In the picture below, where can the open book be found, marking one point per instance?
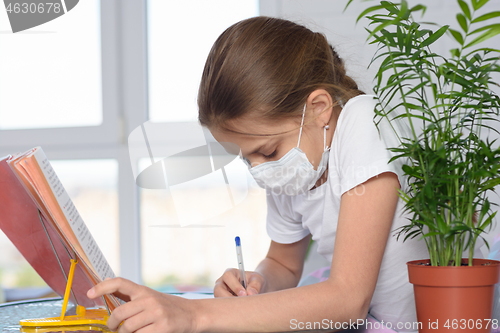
(38, 216)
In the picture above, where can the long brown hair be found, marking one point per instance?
(270, 66)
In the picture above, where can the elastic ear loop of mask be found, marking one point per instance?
(301, 124)
(324, 138)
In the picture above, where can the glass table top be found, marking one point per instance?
(11, 313)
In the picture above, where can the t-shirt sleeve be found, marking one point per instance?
(283, 226)
(363, 148)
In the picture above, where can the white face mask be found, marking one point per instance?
(292, 174)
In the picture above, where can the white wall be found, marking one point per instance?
(349, 38)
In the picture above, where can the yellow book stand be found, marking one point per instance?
(83, 316)
(69, 329)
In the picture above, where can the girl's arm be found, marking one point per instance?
(364, 224)
(283, 265)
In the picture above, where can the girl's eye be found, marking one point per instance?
(271, 155)
(246, 161)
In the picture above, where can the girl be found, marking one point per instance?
(280, 92)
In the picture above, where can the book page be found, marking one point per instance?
(73, 218)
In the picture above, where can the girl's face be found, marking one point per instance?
(260, 149)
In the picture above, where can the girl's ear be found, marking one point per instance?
(321, 104)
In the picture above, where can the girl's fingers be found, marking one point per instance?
(222, 290)
(233, 283)
(148, 329)
(133, 323)
(122, 286)
(254, 283)
(230, 291)
(125, 312)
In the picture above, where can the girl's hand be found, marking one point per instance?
(148, 310)
(229, 284)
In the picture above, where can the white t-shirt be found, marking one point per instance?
(358, 153)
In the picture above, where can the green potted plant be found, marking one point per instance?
(448, 102)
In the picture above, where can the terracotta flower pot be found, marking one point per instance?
(454, 299)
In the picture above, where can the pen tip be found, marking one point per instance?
(237, 240)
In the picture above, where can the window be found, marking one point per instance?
(188, 230)
(50, 76)
(180, 35)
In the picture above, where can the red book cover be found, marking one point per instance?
(29, 229)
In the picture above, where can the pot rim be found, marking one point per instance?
(477, 263)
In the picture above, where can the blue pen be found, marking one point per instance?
(243, 277)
